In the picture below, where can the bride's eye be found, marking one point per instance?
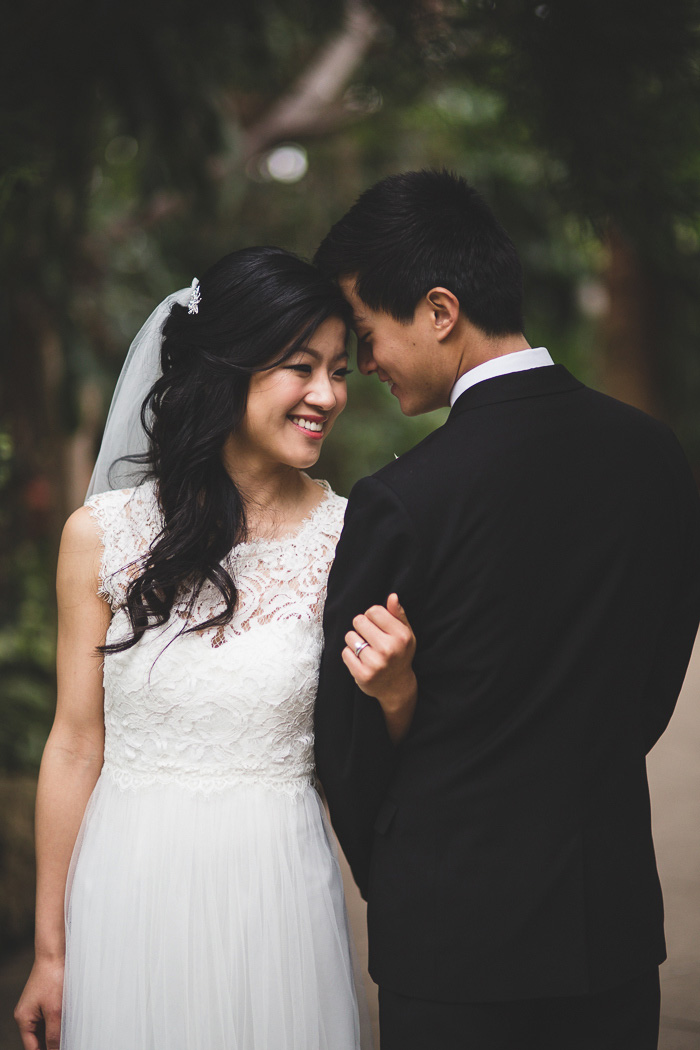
(341, 373)
(304, 370)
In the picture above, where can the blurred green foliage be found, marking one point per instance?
(27, 658)
(27, 645)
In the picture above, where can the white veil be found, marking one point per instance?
(124, 434)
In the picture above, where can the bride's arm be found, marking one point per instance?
(69, 770)
(356, 755)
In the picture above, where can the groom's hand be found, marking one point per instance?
(379, 655)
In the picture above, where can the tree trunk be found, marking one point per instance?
(32, 380)
(629, 363)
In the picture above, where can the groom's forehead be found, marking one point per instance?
(361, 323)
(348, 286)
(363, 316)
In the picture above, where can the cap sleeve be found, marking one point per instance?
(331, 518)
(128, 521)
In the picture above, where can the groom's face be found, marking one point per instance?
(406, 356)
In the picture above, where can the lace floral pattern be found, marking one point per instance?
(226, 705)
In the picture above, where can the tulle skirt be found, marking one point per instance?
(201, 922)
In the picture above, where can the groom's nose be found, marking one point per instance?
(365, 362)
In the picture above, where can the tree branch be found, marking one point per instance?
(312, 103)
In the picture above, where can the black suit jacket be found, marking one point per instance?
(545, 543)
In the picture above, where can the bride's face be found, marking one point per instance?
(291, 409)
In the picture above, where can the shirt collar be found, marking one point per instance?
(520, 361)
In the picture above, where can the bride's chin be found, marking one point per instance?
(305, 457)
(300, 461)
(309, 461)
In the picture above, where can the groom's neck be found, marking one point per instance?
(477, 348)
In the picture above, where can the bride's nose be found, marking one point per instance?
(321, 394)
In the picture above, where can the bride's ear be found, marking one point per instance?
(444, 311)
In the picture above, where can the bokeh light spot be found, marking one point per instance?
(288, 163)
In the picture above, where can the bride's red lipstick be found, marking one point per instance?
(315, 435)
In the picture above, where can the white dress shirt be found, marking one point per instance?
(520, 361)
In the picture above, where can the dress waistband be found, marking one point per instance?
(208, 782)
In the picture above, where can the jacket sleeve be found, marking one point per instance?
(680, 625)
(377, 553)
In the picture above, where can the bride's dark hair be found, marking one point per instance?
(258, 306)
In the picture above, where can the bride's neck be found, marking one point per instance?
(273, 494)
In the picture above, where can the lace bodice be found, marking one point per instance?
(225, 705)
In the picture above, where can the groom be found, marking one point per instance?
(545, 544)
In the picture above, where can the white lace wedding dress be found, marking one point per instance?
(205, 908)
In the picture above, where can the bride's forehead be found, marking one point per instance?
(323, 354)
(329, 341)
(332, 330)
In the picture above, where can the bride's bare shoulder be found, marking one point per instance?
(80, 533)
(79, 560)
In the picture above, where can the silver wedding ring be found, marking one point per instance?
(360, 646)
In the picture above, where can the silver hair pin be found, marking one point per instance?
(195, 298)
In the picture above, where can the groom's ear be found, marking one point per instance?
(444, 311)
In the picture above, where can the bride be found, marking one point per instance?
(177, 812)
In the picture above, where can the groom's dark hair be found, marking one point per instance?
(421, 229)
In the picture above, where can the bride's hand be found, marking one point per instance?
(379, 655)
(38, 1012)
